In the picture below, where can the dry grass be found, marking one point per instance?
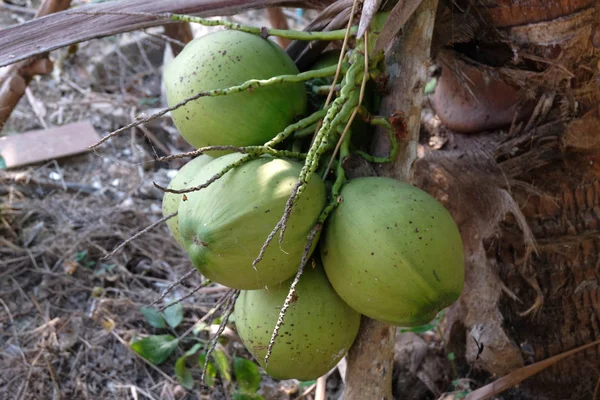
(66, 317)
(64, 320)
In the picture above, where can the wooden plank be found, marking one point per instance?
(47, 144)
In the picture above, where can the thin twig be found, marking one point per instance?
(165, 38)
(213, 310)
(306, 392)
(215, 177)
(519, 375)
(172, 285)
(213, 344)
(288, 300)
(166, 16)
(190, 294)
(15, 333)
(18, 9)
(23, 387)
(246, 86)
(284, 218)
(320, 393)
(201, 151)
(140, 233)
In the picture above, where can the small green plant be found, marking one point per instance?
(82, 258)
(239, 375)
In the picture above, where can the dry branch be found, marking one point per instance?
(68, 27)
(15, 79)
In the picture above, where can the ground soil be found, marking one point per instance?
(66, 315)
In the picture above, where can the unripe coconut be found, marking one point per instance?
(393, 252)
(225, 225)
(318, 330)
(171, 201)
(223, 59)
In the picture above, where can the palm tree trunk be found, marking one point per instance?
(518, 96)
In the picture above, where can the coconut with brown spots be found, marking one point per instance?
(225, 225)
(393, 252)
(318, 330)
(218, 61)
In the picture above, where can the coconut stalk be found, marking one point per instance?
(370, 360)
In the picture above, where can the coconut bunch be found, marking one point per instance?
(369, 246)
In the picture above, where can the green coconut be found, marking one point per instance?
(393, 252)
(225, 225)
(171, 201)
(223, 59)
(318, 330)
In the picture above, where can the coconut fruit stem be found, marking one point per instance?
(289, 298)
(266, 32)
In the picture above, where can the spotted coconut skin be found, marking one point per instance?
(393, 252)
(223, 59)
(318, 330)
(170, 203)
(224, 225)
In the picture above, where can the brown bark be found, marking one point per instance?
(407, 64)
(527, 197)
(369, 372)
(15, 79)
(181, 32)
(63, 29)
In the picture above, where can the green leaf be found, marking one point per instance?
(222, 364)
(155, 349)
(246, 374)
(80, 256)
(184, 376)
(193, 350)
(451, 356)
(306, 384)
(211, 371)
(153, 317)
(247, 396)
(174, 315)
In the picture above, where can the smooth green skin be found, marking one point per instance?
(225, 225)
(393, 252)
(171, 201)
(318, 329)
(223, 59)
